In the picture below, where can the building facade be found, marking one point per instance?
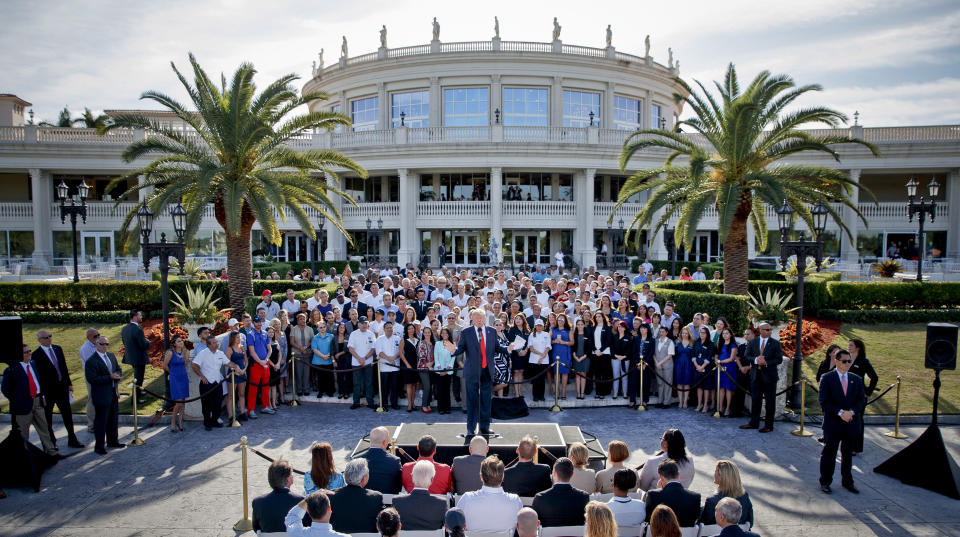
(484, 151)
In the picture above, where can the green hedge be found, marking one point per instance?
(97, 296)
(250, 303)
(733, 307)
(883, 316)
(77, 317)
(708, 269)
(281, 268)
(902, 295)
(814, 292)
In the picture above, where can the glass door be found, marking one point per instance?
(466, 249)
(526, 248)
(297, 247)
(699, 251)
(96, 246)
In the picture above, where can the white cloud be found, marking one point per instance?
(926, 103)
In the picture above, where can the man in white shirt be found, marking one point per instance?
(388, 347)
(271, 308)
(627, 511)
(668, 316)
(490, 509)
(647, 266)
(651, 301)
(441, 291)
(377, 324)
(317, 505)
(362, 347)
(208, 365)
(699, 275)
(373, 298)
(314, 300)
(460, 299)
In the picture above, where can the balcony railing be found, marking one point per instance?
(439, 135)
(896, 210)
(371, 210)
(16, 210)
(570, 135)
(453, 209)
(540, 209)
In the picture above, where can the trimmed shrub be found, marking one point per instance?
(814, 292)
(78, 317)
(250, 303)
(97, 296)
(884, 316)
(897, 295)
(281, 268)
(733, 307)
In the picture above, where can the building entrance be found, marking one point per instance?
(96, 246)
(466, 248)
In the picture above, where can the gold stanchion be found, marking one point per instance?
(233, 401)
(137, 441)
(293, 377)
(380, 408)
(556, 389)
(641, 406)
(244, 524)
(803, 410)
(716, 413)
(895, 433)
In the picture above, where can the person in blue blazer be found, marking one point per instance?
(478, 380)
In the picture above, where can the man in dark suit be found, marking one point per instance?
(103, 373)
(420, 305)
(353, 304)
(561, 504)
(22, 387)
(135, 346)
(385, 470)
(355, 507)
(466, 468)
(843, 398)
(685, 503)
(766, 355)
(526, 478)
(58, 388)
(270, 510)
(419, 510)
(728, 513)
(479, 345)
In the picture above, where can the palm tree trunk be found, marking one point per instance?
(735, 257)
(239, 270)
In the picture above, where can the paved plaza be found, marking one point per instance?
(189, 483)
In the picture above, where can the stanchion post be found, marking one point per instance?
(716, 413)
(896, 427)
(641, 406)
(380, 408)
(244, 524)
(803, 410)
(556, 389)
(293, 377)
(233, 401)
(137, 441)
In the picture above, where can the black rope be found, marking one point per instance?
(875, 399)
(271, 461)
(190, 400)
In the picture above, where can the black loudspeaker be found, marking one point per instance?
(941, 346)
(11, 339)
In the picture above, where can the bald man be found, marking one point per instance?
(57, 386)
(466, 468)
(527, 523)
(385, 469)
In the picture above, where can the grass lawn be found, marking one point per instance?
(894, 349)
(71, 337)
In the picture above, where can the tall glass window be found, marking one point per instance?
(577, 106)
(363, 112)
(414, 104)
(626, 113)
(526, 107)
(466, 107)
(654, 116)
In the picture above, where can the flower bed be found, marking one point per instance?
(813, 335)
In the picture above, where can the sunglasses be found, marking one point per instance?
(104, 344)
(45, 337)
(846, 361)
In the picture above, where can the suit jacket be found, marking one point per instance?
(270, 510)
(736, 531)
(385, 472)
(772, 353)
(833, 400)
(421, 511)
(685, 503)
(469, 346)
(561, 505)
(48, 373)
(527, 479)
(466, 473)
(421, 308)
(102, 388)
(709, 514)
(355, 509)
(16, 387)
(361, 311)
(135, 345)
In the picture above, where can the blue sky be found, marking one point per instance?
(896, 62)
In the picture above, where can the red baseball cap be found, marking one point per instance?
(266, 292)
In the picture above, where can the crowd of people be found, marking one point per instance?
(480, 493)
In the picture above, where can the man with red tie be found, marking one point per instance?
(843, 398)
(21, 385)
(479, 345)
(51, 367)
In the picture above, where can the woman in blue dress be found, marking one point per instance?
(727, 359)
(238, 355)
(176, 367)
(683, 366)
(560, 350)
(704, 370)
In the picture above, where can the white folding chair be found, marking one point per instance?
(709, 530)
(602, 497)
(388, 499)
(563, 531)
(526, 500)
(421, 533)
(508, 533)
(365, 534)
(272, 533)
(630, 531)
(692, 531)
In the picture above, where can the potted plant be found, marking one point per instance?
(199, 308)
(887, 268)
(771, 307)
(791, 273)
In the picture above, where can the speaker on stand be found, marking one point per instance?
(941, 473)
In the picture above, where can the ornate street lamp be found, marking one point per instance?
(163, 250)
(922, 209)
(74, 210)
(801, 248)
(322, 221)
(591, 118)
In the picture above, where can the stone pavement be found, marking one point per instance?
(189, 483)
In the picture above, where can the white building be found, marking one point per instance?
(451, 134)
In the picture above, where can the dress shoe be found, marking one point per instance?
(354, 406)
(100, 451)
(826, 489)
(116, 445)
(207, 428)
(75, 444)
(852, 488)
(766, 430)
(748, 426)
(487, 432)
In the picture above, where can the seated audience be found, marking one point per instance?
(528, 525)
(684, 503)
(599, 521)
(526, 478)
(583, 478)
(270, 510)
(728, 516)
(419, 510)
(672, 446)
(617, 452)
(384, 467)
(664, 523)
(561, 504)
(455, 523)
(388, 523)
(317, 505)
(466, 468)
(629, 512)
(727, 478)
(490, 509)
(442, 482)
(354, 507)
(323, 474)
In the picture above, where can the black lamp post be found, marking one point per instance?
(322, 221)
(74, 210)
(921, 209)
(622, 236)
(379, 236)
(163, 250)
(496, 115)
(403, 119)
(801, 248)
(591, 118)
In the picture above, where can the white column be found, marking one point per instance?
(556, 102)
(606, 107)
(953, 197)
(583, 234)
(436, 103)
(657, 248)
(496, 208)
(384, 107)
(496, 98)
(336, 242)
(751, 242)
(409, 243)
(848, 247)
(42, 187)
(385, 188)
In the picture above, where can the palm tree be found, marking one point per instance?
(237, 159)
(63, 120)
(734, 166)
(90, 121)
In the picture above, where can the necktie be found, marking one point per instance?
(763, 343)
(843, 382)
(33, 384)
(56, 365)
(483, 350)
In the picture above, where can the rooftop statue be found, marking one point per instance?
(343, 48)
(556, 29)
(646, 46)
(383, 36)
(609, 36)
(496, 27)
